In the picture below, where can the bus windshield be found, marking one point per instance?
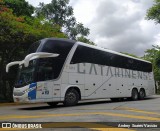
(26, 74)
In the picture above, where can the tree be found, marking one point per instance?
(59, 12)
(150, 54)
(157, 59)
(157, 66)
(154, 12)
(85, 40)
(153, 55)
(20, 7)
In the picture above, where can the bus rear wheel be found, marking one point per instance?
(52, 104)
(134, 96)
(141, 94)
(71, 98)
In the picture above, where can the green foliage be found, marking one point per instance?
(153, 55)
(85, 40)
(16, 33)
(75, 30)
(20, 7)
(157, 66)
(154, 12)
(157, 59)
(59, 12)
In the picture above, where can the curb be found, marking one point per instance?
(16, 104)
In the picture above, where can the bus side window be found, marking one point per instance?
(89, 55)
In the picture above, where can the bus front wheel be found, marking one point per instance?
(71, 97)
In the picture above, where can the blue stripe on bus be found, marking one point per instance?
(32, 94)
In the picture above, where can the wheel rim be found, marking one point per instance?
(71, 97)
(142, 94)
(135, 95)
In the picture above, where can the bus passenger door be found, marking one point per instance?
(47, 90)
(44, 90)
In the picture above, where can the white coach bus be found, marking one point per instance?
(61, 70)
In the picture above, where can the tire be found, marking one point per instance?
(52, 104)
(134, 96)
(71, 98)
(141, 94)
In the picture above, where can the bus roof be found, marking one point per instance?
(59, 39)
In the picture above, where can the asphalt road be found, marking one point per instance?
(87, 115)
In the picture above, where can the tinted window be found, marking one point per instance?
(57, 46)
(89, 55)
(48, 69)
